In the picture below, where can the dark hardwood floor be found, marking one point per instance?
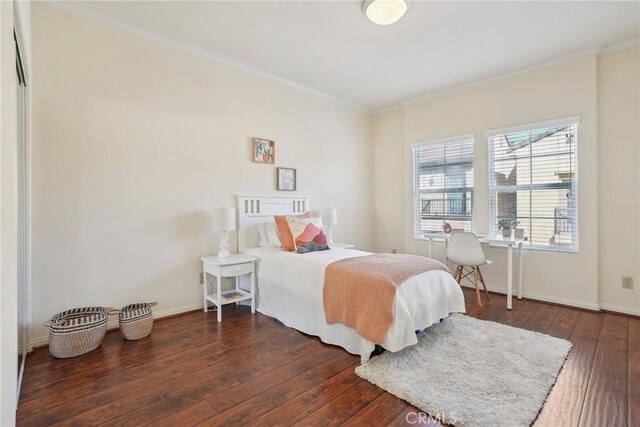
(251, 369)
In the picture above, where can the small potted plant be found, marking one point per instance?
(506, 225)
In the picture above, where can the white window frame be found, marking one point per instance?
(438, 141)
(567, 121)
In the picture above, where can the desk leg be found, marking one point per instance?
(509, 275)
(430, 244)
(520, 269)
(204, 287)
(253, 292)
(446, 249)
(219, 295)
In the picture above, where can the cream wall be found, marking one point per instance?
(388, 159)
(136, 141)
(563, 90)
(619, 177)
(604, 91)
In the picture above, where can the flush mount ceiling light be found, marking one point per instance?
(385, 12)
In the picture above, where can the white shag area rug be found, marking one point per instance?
(470, 372)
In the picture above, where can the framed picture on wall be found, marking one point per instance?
(286, 179)
(264, 151)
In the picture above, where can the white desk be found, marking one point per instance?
(509, 242)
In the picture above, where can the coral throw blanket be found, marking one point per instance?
(359, 292)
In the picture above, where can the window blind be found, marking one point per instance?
(533, 179)
(443, 186)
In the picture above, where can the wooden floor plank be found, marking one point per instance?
(634, 372)
(130, 369)
(189, 416)
(606, 401)
(564, 323)
(41, 360)
(336, 411)
(542, 319)
(250, 369)
(113, 354)
(300, 406)
(499, 313)
(564, 404)
(470, 303)
(290, 400)
(473, 309)
(381, 411)
(519, 317)
(176, 394)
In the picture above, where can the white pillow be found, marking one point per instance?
(268, 235)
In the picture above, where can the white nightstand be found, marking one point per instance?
(233, 266)
(344, 245)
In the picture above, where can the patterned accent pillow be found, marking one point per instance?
(308, 234)
(283, 230)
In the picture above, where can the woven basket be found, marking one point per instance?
(136, 320)
(77, 331)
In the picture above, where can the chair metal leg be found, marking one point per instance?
(475, 282)
(484, 285)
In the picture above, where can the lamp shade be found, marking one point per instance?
(331, 217)
(224, 219)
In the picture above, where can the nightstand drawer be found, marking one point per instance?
(236, 270)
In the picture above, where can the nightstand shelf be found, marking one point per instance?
(229, 297)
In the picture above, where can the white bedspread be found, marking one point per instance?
(290, 289)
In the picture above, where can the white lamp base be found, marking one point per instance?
(329, 231)
(223, 248)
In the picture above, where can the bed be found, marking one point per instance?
(289, 285)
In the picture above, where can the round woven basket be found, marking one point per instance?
(136, 320)
(77, 331)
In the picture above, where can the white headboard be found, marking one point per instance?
(253, 210)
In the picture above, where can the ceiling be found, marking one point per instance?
(330, 46)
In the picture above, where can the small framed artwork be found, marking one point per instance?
(286, 179)
(264, 151)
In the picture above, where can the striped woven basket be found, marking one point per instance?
(136, 320)
(78, 331)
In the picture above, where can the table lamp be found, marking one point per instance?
(224, 220)
(330, 220)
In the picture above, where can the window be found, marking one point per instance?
(532, 178)
(443, 184)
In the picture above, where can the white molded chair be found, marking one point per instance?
(465, 250)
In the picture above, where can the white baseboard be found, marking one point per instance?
(113, 321)
(547, 298)
(621, 309)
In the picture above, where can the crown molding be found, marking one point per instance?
(621, 46)
(388, 109)
(68, 6)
